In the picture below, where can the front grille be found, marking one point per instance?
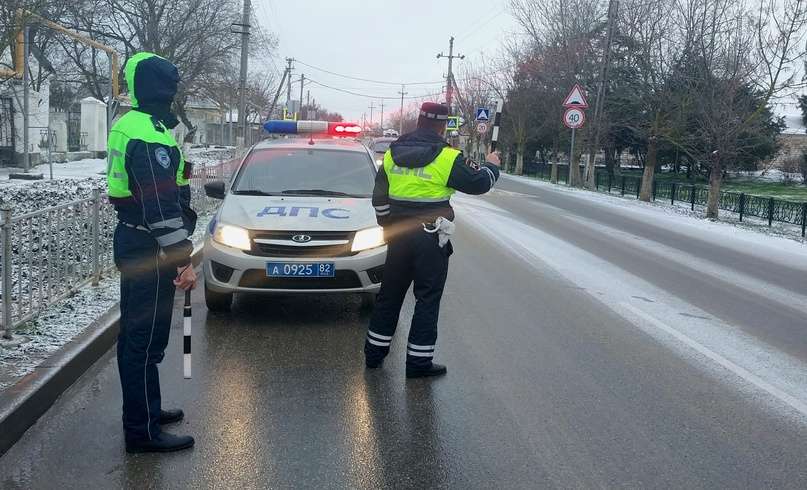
(257, 278)
(295, 250)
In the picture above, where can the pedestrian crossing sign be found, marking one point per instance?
(453, 123)
(482, 114)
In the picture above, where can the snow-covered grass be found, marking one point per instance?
(680, 214)
(63, 321)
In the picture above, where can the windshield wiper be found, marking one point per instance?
(254, 192)
(318, 192)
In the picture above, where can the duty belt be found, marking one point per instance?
(136, 227)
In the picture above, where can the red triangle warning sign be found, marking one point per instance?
(576, 98)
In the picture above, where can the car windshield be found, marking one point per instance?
(306, 172)
(381, 146)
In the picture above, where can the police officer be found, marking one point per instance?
(411, 199)
(148, 185)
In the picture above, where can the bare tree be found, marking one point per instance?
(744, 58)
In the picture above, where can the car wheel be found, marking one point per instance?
(218, 301)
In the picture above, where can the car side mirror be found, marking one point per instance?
(215, 189)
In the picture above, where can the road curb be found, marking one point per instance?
(30, 397)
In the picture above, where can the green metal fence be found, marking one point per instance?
(764, 207)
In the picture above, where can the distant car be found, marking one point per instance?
(296, 218)
(379, 146)
(391, 133)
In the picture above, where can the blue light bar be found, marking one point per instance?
(280, 127)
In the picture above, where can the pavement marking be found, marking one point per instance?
(741, 372)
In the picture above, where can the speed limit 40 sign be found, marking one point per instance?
(574, 118)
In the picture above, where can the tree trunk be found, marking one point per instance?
(519, 161)
(715, 179)
(553, 175)
(646, 193)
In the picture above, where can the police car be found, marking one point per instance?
(296, 218)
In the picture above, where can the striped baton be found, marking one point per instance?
(186, 344)
(494, 139)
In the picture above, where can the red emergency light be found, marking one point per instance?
(343, 129)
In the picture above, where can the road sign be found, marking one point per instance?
(481, 127)
(574, 118)
(482, 114)
(576, 98)
(453, 123)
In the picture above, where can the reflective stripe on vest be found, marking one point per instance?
(422, 184)
(134, 125)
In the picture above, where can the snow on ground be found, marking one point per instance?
(762, 373)
(729, 231)
(80, 169)
(772, 175)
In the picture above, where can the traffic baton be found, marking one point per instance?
(496, 120)
(186, 344)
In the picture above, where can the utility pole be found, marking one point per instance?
(26, 109)
(450, 75)
(382, 117)
(307, 104)
(300, 109)
(372, 106)
(400, 122)
(288, 82)
(277, 93)
(594, 143)
(242, 96)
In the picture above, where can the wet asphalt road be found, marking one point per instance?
(548, 386)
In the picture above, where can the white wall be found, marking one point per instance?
(93, 122)
(39, 114)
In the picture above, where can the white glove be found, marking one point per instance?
(444, 229)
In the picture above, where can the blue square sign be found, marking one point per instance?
(482, 114)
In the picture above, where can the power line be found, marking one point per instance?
(367, 79)
(378, 97)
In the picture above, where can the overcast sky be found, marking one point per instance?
(385, 40)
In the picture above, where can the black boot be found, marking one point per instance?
(163, 443)
(432, 369)
(373, 363)
(171, 416)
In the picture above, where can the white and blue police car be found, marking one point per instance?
(296, 217)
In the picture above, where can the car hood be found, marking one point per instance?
(298, 213)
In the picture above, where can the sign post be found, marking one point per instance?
(573, 118)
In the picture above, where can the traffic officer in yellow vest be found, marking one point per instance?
(148, 185)
(411, 199)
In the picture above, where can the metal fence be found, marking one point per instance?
(764, 207)
(46, 255)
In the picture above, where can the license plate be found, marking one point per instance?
(288, 269)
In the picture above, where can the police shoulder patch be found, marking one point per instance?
(473, 164)
(163, 158)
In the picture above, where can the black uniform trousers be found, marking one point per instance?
(413, 256)
(147, 297)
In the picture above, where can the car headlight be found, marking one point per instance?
(369, 238)
(379, 162)
(232, 236)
